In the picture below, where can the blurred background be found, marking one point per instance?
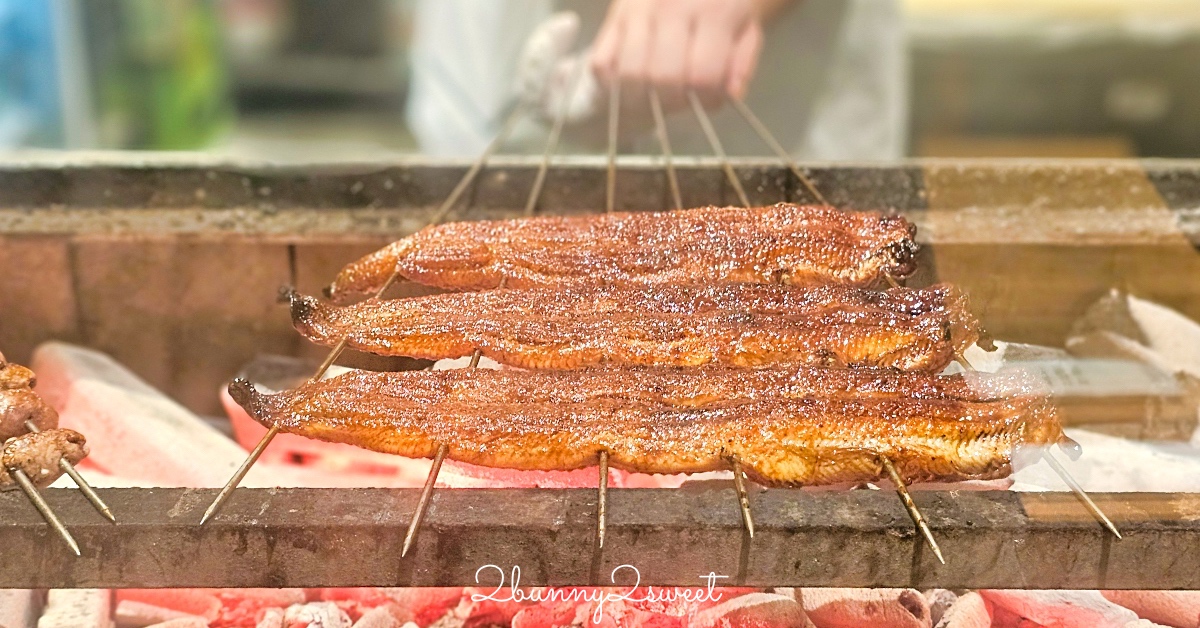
(310, 79)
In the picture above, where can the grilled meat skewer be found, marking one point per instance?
(737, 324)
(780, 441)
(784, 243)
(38, 455)
(18, 402)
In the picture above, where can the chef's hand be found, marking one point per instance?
(551, 79)
(710, 46)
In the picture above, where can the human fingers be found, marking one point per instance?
(744, 60)
(708, 56)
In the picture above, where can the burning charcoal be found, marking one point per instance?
(1062, 609)
(134, 614)
(484, 612)
(939, 601)
(183, 622)
(244, 606)
(968, 611)
(271, 618)
(751, 611)
(377, 618)
(77, 608)
(315, 615)
(880, 608)
(19, 608)
(1179, 609)
(198, 602)
(135, 431)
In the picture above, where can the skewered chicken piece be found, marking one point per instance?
(38, 455)
(15, 376)
(738, 324)
(784, 243)
(21, 405)
(822, 437)
(18, 402)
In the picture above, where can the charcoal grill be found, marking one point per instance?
(171, 265)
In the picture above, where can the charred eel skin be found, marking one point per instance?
(784, 243)
(826, 426)
(588, 325)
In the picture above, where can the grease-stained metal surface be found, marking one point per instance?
(338, 537)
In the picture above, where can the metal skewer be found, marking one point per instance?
(1080, 493)
(560, 119)
(739, 484)
(39, 502)
(498, 141)
(254, 454)
(84, 487)
(614, 112)
(718, 149)
(913, 512)
(426, 493)
(435, 469)
(602, 500)
(1062, 472)
(660, 129)
(765, 133)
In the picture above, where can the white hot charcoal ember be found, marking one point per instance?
(377, 618)
(1179, 609)
(136, 431)
(939, 601)
(134, 614)
(182, 622)
(968, 611)
(77, 608)
(753, 609)
(1062, 609)
(38, 456)
(19, 608)
(271, 618)
(317, 614)
(851, 608)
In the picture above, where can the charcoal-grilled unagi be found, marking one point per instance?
(784, 243)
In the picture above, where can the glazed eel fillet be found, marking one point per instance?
(587, 325)
(784, 243)
(789, 426)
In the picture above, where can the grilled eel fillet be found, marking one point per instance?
(824, 426)
(587, 325)
(784, 243)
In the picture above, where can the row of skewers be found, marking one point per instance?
(717, 338)
(662, 275)
(36, 452)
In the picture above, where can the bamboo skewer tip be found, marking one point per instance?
(43, 508)
(1080, 494)
(913, 511)
(426, 496)
(84, 487)
(240, 474)
(739, 485)
(602, 500)
(718, 149)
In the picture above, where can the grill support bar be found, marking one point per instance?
(343, 537)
